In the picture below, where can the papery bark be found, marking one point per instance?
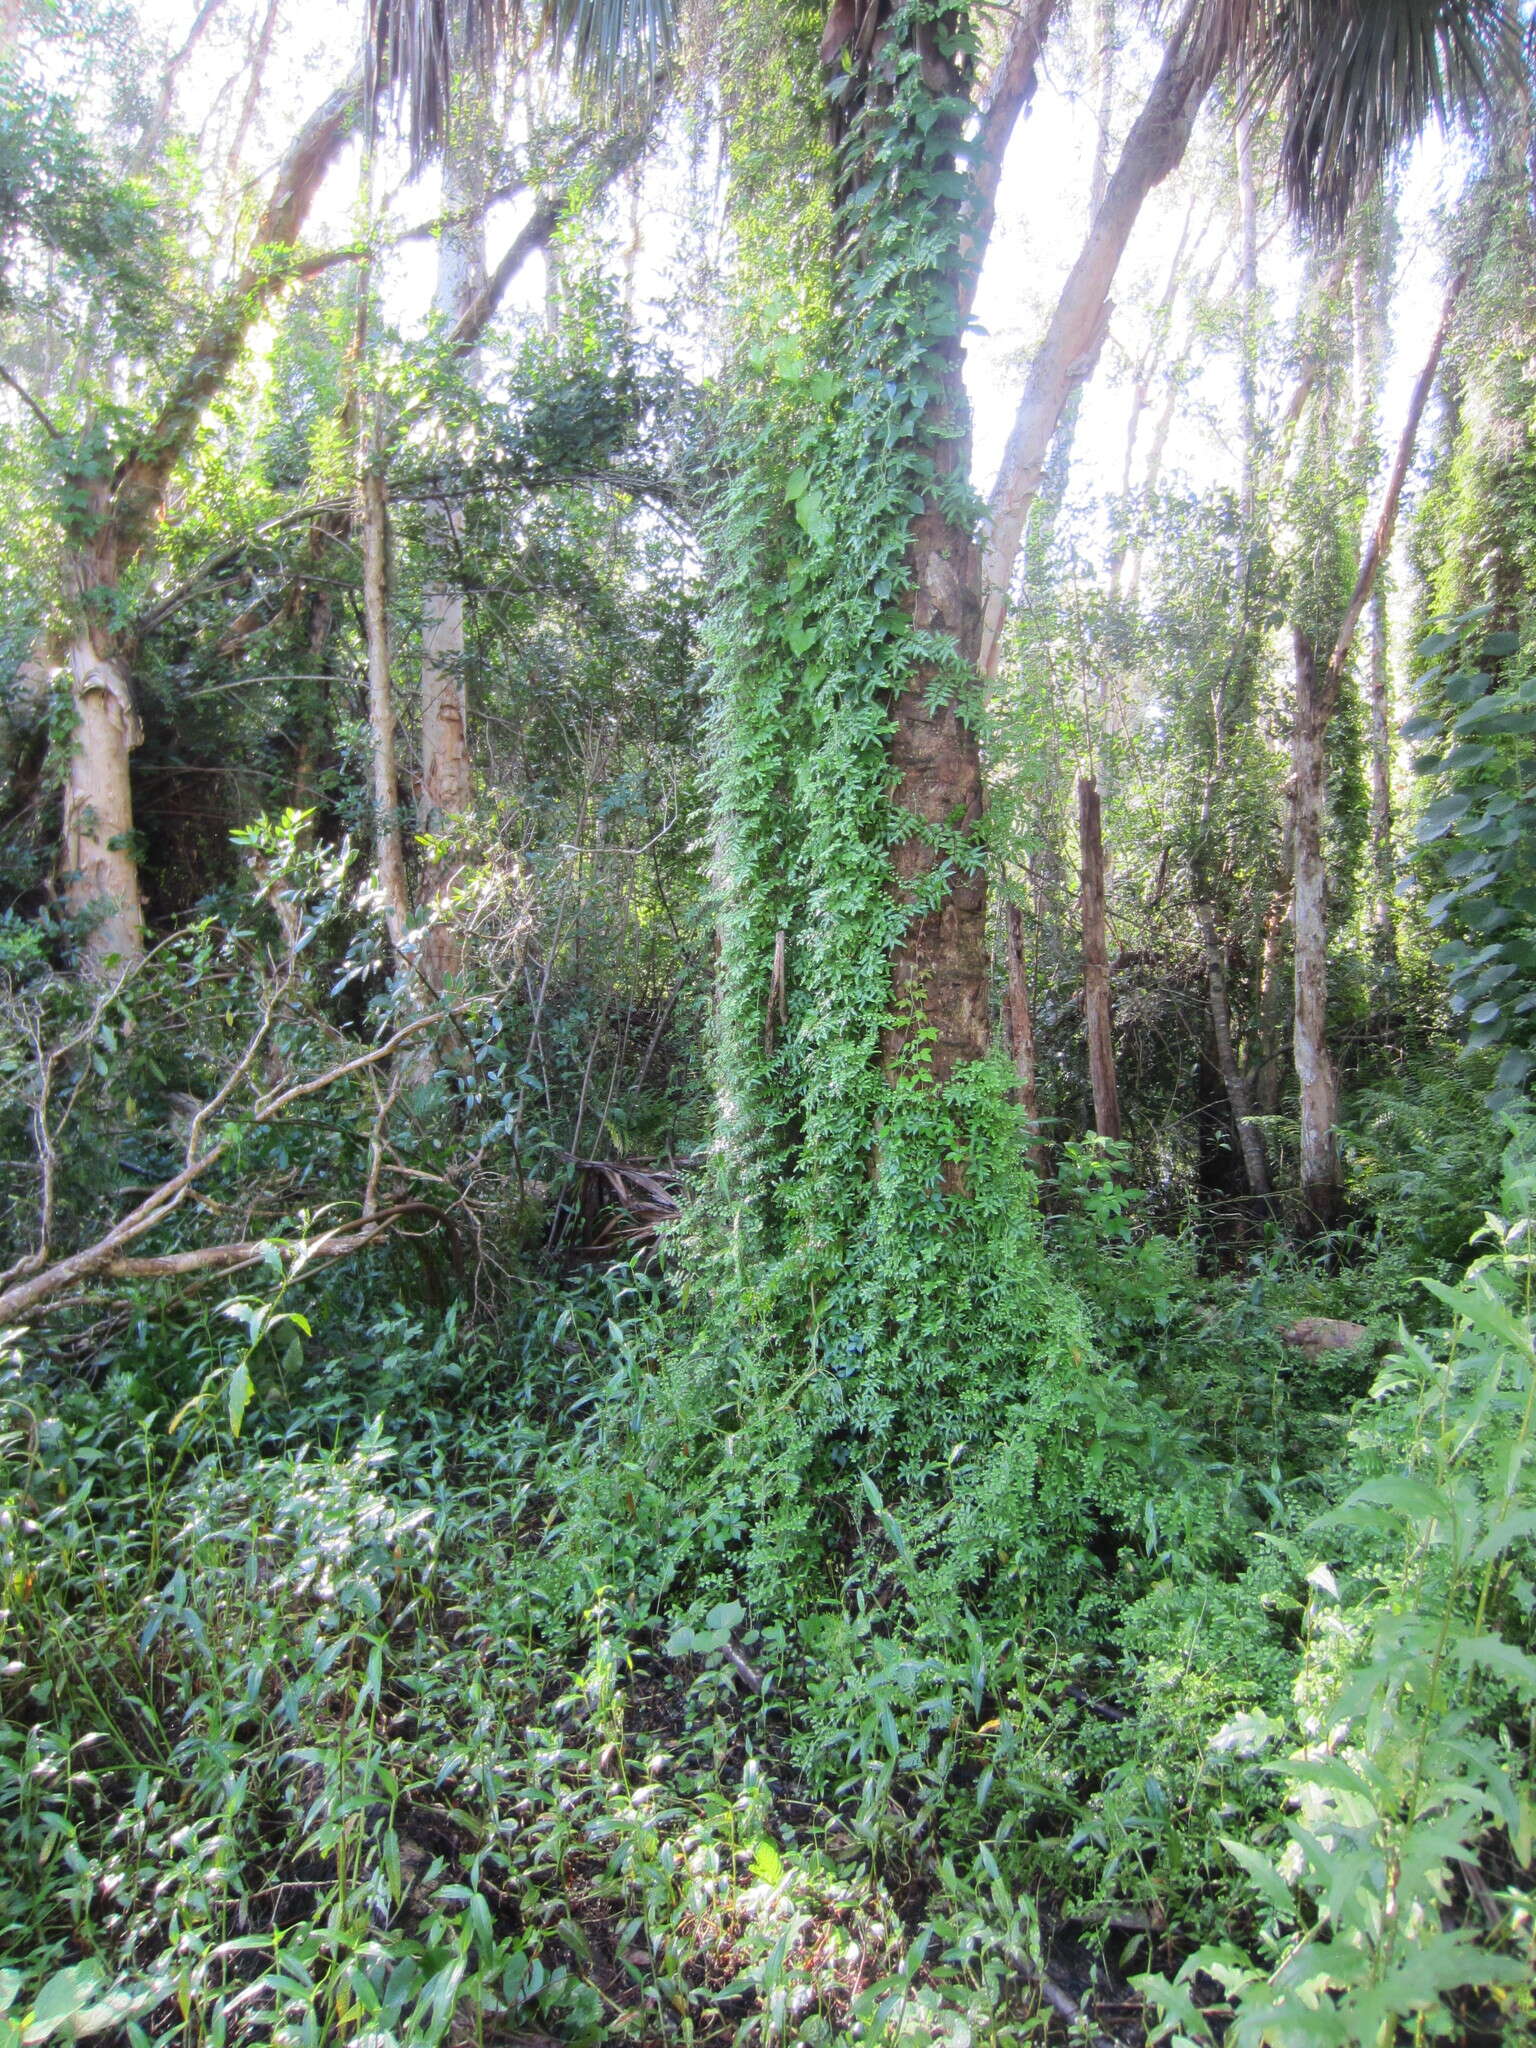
(117, 521)
(1315, 1075)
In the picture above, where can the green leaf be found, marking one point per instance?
(1492, 1653)
(1484, 1311)
(1400, 1494)
(1267, 1880)
(1462, 688)
(66, 1995)
(1514, 1066)
(1512, 1529)
(1441, 816)
(238, 1396)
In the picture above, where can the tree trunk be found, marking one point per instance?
(1096, 1008)
(446, 780)
(1269, 1024)
(1316, 697)
(1309, 923)
(1383, 902)
(939, 966)
(1021, 1037)
(100, 864)
(1233, 1080)
(98, 855)
(1156, 143)
(389, 845)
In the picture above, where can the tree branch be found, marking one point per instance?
(1009, 91)
(143, 476)
(38, 1289)
(1381, 537)
(31, 404)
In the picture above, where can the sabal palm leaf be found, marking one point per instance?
(616, 49)
(1354, 81)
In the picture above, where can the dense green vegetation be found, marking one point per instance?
(765, 1267)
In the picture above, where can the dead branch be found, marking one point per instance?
(38, 1290)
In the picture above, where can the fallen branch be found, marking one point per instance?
(99, 1260)
(229, 1258)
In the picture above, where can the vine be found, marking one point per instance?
(881, 1246)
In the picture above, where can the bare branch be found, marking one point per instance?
(31, 404)
(142, 479)
(36, 1290)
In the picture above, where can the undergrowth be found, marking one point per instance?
(371, 1677)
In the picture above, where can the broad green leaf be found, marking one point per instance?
(1512, 1529)
(238, 1396)
(1492, 1653)
(66, 1994)
(1441, 816)
(1267, 1880)
(1400, 1494)
(1484, 1311)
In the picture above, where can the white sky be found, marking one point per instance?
(1042, 213)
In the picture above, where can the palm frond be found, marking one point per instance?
(1354, 81)
(617, 50)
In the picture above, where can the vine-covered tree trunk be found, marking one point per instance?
(871, 1149)
(1377, 685)
(939, 967)
(1097, 1017)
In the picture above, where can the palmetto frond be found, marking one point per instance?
(1353, 81)
(616, 49)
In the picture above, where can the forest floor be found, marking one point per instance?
(363, 1684)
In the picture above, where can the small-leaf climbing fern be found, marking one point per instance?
(880, 1286)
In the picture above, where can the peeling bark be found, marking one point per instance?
(98, 858)
(1377, 685)
(446, 777)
